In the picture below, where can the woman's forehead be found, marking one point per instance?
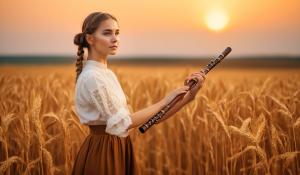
(109, 25)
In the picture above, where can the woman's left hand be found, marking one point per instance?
(194, 75)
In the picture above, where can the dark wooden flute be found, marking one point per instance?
(192, 82)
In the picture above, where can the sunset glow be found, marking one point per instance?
(177, 28)
(216, 19)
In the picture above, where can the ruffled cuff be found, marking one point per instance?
(119, 123)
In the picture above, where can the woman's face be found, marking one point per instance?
(106, 38)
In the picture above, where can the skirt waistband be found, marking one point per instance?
(98, 129)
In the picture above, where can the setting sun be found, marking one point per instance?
(216, 19)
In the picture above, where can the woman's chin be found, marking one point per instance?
(113, 52)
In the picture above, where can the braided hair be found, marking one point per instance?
(90, 25)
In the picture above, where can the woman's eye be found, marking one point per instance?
(110, 33)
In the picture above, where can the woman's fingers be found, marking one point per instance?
(189, 78)
(198, 75)
(182, 89)
(179, 91)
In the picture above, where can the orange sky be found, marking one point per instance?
(154, 27)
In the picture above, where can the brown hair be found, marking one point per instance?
(89, 26)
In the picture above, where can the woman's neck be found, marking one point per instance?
(97, 57)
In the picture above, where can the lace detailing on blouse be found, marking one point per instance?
(118, 123)
(99, 97)
(103, 101)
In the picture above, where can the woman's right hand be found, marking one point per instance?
(171, 95)
(189, 94)
(200, 76)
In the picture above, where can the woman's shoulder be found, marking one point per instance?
(92, 77)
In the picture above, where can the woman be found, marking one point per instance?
(101, 104)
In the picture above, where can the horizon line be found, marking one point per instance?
(269, 56)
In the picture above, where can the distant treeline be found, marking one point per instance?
(257, 61)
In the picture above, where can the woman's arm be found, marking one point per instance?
(142, 116)
(176, 108)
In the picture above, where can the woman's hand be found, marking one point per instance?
(189, 94)
(171, 95)
(200, 76)
(195, 75)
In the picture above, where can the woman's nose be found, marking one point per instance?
(114, 38)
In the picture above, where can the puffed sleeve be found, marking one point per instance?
(110, 106)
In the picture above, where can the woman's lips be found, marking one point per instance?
(114, 47)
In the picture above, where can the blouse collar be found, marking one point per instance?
(95, 63)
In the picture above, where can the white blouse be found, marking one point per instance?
(100, 100)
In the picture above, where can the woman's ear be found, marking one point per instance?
(89, 39)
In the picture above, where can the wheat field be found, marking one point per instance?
(241, 121)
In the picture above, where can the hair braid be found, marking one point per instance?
(81, 42)
(79, 61)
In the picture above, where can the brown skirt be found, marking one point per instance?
(102, 153)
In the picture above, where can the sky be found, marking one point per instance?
(155, 27)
